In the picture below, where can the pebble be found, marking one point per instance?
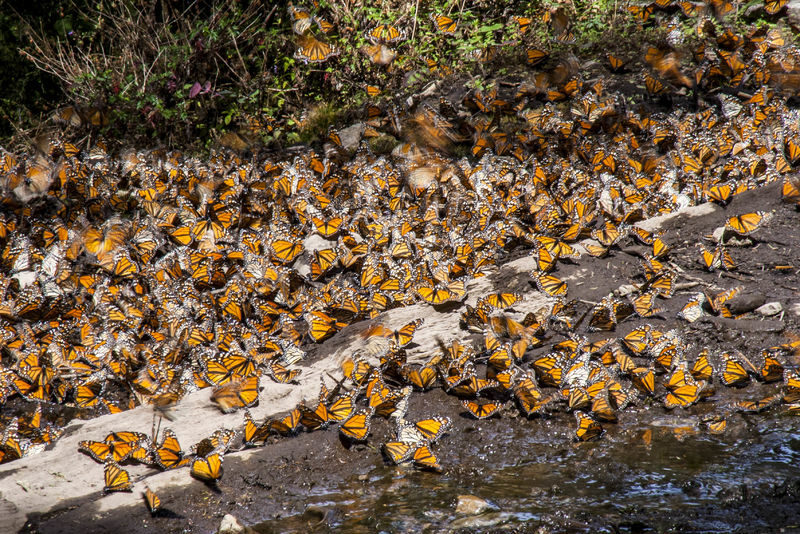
(231, 525)
(769, 309)
(745, 302)
(626, 289)
(472, 505)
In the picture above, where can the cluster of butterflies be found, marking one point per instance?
(137, 278)
(127, 447)
(382, 390)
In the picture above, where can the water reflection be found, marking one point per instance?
(567, 487)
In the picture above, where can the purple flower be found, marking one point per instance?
(195, 90)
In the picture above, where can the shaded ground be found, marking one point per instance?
(654, 471)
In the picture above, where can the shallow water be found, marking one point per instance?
(682, 479)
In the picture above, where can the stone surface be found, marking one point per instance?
(472, 505)
(231, 525)
(745, 302)
(770, 308)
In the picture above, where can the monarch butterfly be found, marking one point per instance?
(117, 451)
(372, 91)
(285, 250)
(399, 451)
(598, 251)
(693, 310)
(578, 399)
(683, 396)
(530, 399)
(219, 441)
(720, 259)
(721, 7)
(691, 9)
(88, 394)
(771, 370)
(602, 409)
(791, 387)
(679, 377)
(386, 33)
(701, 368)
(773, 7)
(715, 424)
(500, 301)
(342, 407)
(638, 340)
(423, 457)
(288, 425)
(169, 455)
(432, 429)
(207, 468)
(435, 295)
(444, 24)
(757, 406)
(509, 328)
(643, 379)
(610, 234)
(101, 242)
(747, 223)
(588, 428)
(323, 326)
(423, 377)
(621, 358)
(734, 373)
(551, 285)
(482, 410)
(152, 501)
(301, 19)
(524, 23)
(603, 318)
(253, 432)
(721, 193)
(654, 86)
(116, 478)
(327, 228)
(316, 418)
(615, 63)
(792, 149)
(535, 56)
(643, 305)
(380, 54)
(357, 426)
(313, 50)
(236, 394)
(280, 374)
(356, 370)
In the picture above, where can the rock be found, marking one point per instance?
(231, 525)
(471, 505)
(351, 136)
(793, 13)
(769, 309)
(717, 233)
(626, 289)
(743, 325)
(383, 144)
(745, 302)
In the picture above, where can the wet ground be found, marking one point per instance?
(655, 471)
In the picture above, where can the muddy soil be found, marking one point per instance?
(654, 471)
